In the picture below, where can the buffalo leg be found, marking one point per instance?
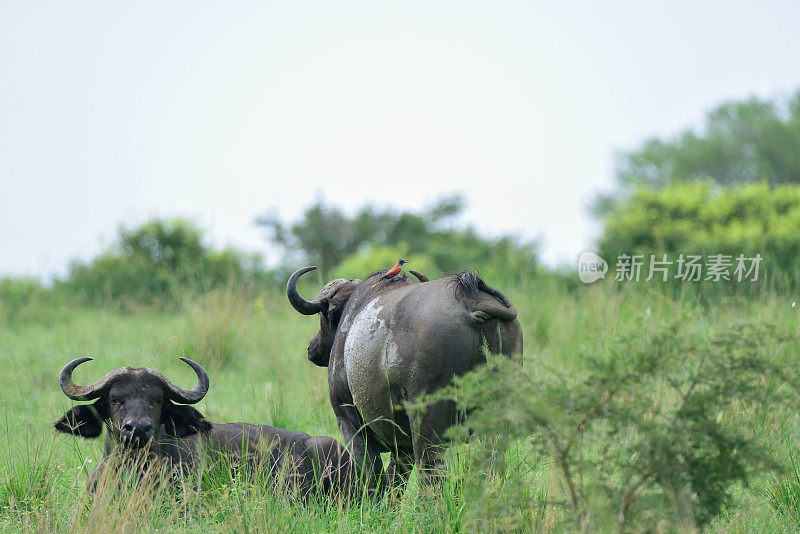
(364, 452)
(400, 466)
(429, 426)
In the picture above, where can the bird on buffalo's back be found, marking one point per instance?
(391, 273)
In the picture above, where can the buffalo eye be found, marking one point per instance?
(116, 401)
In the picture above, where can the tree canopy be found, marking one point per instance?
(154, 261)
(740, 142)
(326, 236)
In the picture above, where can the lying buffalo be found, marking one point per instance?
(145, 414)
(390, 343)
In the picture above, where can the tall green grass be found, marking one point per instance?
(254, 347)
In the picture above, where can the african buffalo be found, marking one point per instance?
(146, 418)
(388, 344)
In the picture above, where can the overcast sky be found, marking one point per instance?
(115, 112)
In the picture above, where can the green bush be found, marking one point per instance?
(371, 258)
(338, 243)
(747, 141)
(698, 218)
(501, 262)
(656, 432)
(157, 262)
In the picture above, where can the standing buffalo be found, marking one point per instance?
(391, 343)
(147, 419)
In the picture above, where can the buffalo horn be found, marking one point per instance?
(299, 303)
(85, 393)
(421, 277)
(183, 396)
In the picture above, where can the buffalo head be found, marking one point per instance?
(133, 404)
(330, 303)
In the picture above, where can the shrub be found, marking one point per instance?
(696, 218)
(501, 262)
(371, 258)
(155, 263)
(651, 434)
(326, 236)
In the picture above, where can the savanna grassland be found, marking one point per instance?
(253, 346)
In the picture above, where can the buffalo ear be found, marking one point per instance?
(180, 420)
(338, 301)
(85, 420)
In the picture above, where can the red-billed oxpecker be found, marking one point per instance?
(391, 273)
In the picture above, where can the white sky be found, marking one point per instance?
(114, 112)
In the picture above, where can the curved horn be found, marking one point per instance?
(85, 393)
(193, 395)
(421, 277)
(299, 303)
